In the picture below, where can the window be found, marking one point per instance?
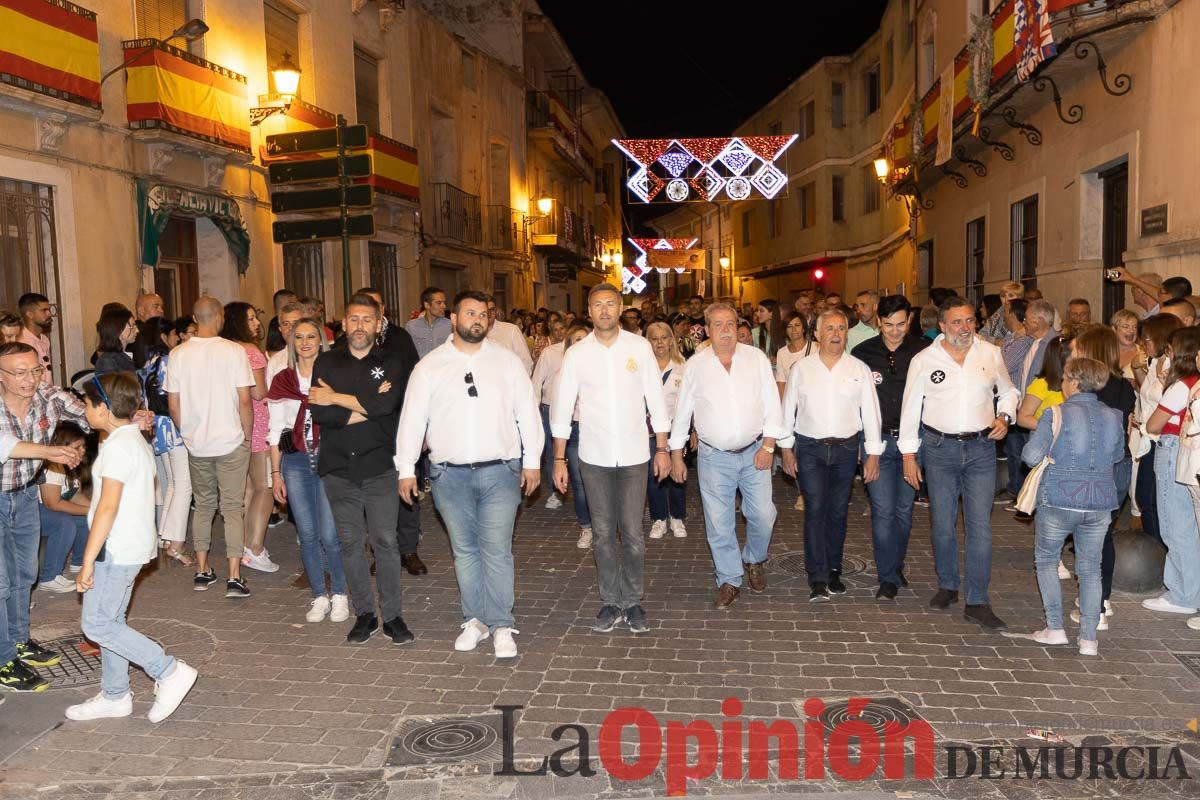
(177, 275)
(1024, 239)
(838, 200)
(871, 90)
(889, 63)
(746, 224)
(774, 218)
(468, 69)
(158, 19)
(385, 275)
(366, 89)
(976, 239)
(807, 197)
(838, 95)
(870, 190)
(500, 290)
(808, 119)
(925, 265)
(928, 56)
(283, 38)
(304, 269)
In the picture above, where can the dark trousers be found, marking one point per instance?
(891, 513)
(1014, 443)
(616, 500)
(1146, 492)
(667, 499)
(1108, 556)
(365, 512)
(825, 473)
(408, 526)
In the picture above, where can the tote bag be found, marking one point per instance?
(1027, 499)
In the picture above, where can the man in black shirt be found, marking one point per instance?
(355, 398)
(888, 355)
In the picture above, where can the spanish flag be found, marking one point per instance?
(394, 168)
(170, 88)
(50, 47)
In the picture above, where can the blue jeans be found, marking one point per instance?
(1014, 443)
(103, 621)
(891, 513)
(479, 507)
(1177, 523)
(1054, 525)
(668, 499)
(722, 474)
(965, 470)
(320, 551)
(20, 534)
(825, 473)
(64, 533)
(578, 494)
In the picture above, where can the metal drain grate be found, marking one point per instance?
(1191, 661)
(793, 564)
(75, 669)
(462, 740)
(877, 712)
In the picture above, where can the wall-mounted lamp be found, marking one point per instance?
(545, 204)
(191, 30)
(286, 76)
(882, 167)
(724, 262)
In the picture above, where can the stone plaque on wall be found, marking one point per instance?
(1154, 220)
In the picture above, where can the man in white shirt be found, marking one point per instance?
(830, 404)
(948, 414)
(208, 382)
(474, 404)
(508, 335)
(730, 391)
(614, 376)
(544, 372)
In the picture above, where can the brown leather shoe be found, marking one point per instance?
(413, 563)
(726, 595)
(756, 576)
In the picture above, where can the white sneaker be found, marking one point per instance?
(59, 585)
(658, 529)
(261, 562)
(1108, 609)
(100, 707)
(1047, 636)
(677, 529)
(799, 504)
(341, 608)
(553, 503)
(1100, 626)
(1194, 623)
(1087, 648)
(585, 539)
(473, 632)
(1064, 574)
(505, 646)
(170, 691)
(1163, 604)
(318, 610)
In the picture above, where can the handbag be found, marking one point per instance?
(1027, 499)
(1187, 463)
(286, 445)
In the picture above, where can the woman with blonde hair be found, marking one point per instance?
(575, 334)
(666, 499)
(1131, 354)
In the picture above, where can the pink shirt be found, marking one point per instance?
(262, 420)
(41, 343)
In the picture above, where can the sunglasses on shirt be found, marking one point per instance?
(470, 381)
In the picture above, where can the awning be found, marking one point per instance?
(158, 202)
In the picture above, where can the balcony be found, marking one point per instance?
(50, 60)
(558, 232)
(507, 231)
(554, 129)
(456, 215)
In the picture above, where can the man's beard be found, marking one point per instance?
(46, 326)
(961, 339)
(469, 334)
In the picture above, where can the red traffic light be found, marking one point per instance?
(818, 274)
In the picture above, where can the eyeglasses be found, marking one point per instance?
(22, 374)
(470, 381)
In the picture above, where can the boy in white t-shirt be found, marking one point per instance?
(123, 538)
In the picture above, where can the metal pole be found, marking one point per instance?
(343, 185)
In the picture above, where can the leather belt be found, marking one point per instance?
(960, 437)
(480, 464)
(833, 441)
(895, 432)
(740, 449)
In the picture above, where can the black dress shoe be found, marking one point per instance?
(944, 598)
(365, 626)
(835, 583)
(399, 632)
(984, 617)
(413, 563)
(903, 580)
(819, 593)
(886, 591)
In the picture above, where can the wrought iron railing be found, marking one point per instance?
(506, 230)
(456, 214)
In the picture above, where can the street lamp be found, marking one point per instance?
(724, 262)
(881, 167)
(286, 76)
(545, 204)
(191, 30)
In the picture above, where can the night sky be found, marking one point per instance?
(674, 68)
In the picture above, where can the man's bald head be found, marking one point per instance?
(148, 306)
(209, 316)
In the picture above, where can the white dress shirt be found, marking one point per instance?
(546, 370)
(832, 403)
(276, 364)
(615, 386)
(953, 398)
(733, 407)
(672, 383)
(502, 422)
(510, 336)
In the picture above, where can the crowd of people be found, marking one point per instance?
(345, 428)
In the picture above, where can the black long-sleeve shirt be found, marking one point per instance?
(365, 449)
(889, 368)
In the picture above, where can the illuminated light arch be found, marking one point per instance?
(688, 170)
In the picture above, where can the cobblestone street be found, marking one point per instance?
(285, 709)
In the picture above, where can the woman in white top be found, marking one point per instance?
(797, 347)
(1155, 334)
(575, 335)
(668, 498)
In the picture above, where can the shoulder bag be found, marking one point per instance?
(1027, 499)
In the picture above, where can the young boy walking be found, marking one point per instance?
(123, 538)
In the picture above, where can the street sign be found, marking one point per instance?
(315, 230)
(321, 199)
(325, 169)
(315, 141)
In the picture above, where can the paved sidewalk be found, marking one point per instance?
(285, 709)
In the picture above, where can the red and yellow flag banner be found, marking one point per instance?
(394, 168)
(174, 90)
(50, 47)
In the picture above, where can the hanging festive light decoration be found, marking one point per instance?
(631, 276)
(705, 169)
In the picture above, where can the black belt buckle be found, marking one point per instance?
(893, 432)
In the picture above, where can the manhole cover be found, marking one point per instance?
(75, 669)
(877, 712)
(1191, 661)
(793, 564)
(462, 740)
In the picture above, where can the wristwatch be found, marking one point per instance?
(769, 450)
(1004, 416)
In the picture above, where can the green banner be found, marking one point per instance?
(158, 202)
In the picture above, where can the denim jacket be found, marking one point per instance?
(1090, 443)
